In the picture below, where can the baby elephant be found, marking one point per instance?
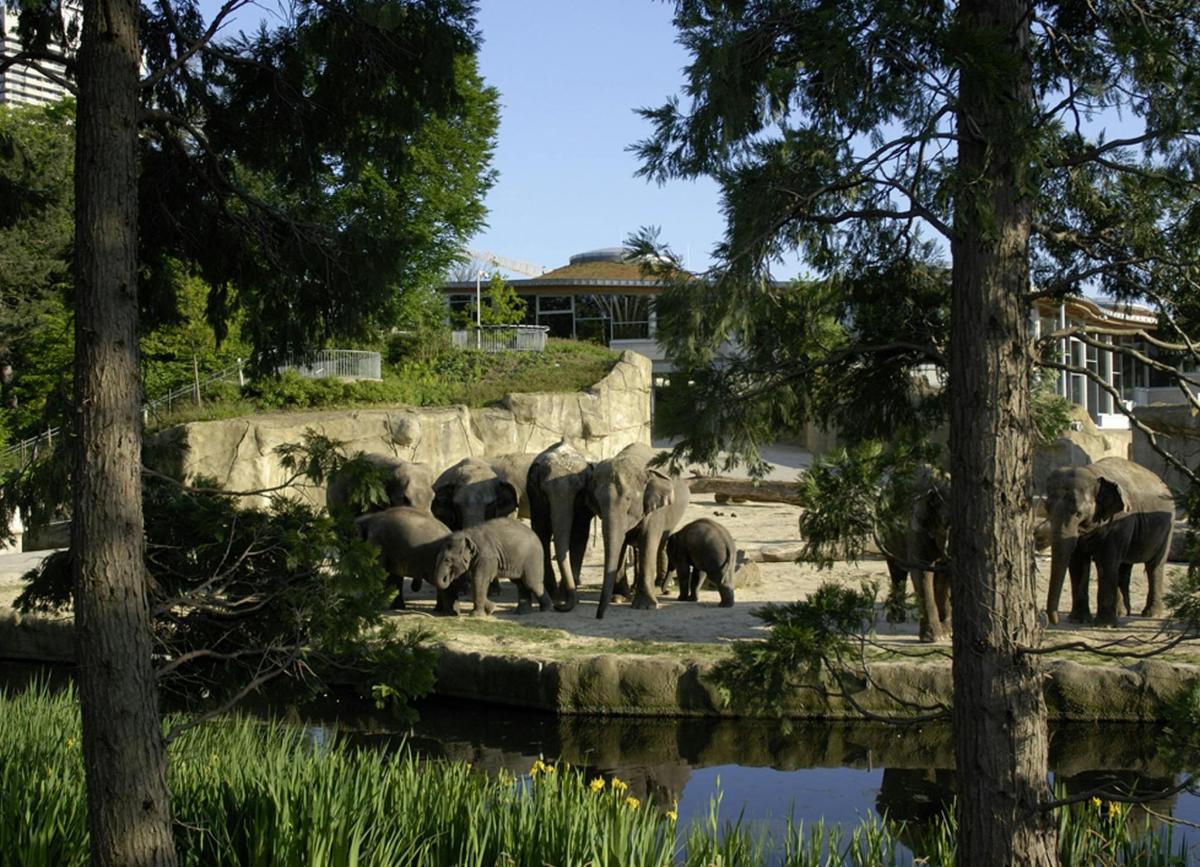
(703, 546)
(499, 548)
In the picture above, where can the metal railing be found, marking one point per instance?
(502, 338)
(340, 363)
(29, 448)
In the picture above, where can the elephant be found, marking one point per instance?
(559, 508)
(405, 484)
(471, 492)
(408, 540)
(926, 550)
(638, 506)
(514, 469)
(499, 548)
(703, 546)
(1116, 513)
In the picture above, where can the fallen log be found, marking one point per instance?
(727, 489)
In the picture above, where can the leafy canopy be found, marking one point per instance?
(831, 128)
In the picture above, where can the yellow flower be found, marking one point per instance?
(673, 813)
(633, 802)
(70, 743)
(619, 785)
(596, 784)
(1096, 802)
(540, 767)
(1114, 809)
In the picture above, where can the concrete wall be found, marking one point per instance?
(239, 453)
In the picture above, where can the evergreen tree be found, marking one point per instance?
(882, 140)
(314, 168)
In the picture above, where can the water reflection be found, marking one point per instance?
(768, 771)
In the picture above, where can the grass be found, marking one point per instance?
(450, 377)
(246, 793)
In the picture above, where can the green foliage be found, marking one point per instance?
(239, 593)
(504, 306)
(253, 794)
(451, 377)
(857, 497)
(807, 641)
(422, 323)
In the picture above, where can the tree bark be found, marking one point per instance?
(999, 712)
(129, 816)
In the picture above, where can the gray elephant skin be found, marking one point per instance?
(1115, 513)
(925, 550)
(514, 469)
(914, 547)
(405, 483)
(408, 540)
(500, 548)
(560, 512)
(470, 492)
(638, 506)
(703, 546)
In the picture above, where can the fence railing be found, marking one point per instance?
(29, 448)
(502, 338)
(341, 363)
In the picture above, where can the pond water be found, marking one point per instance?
(766, 771)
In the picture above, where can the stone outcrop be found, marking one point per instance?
(1177, 430)
(240, 453)
(1083, 444)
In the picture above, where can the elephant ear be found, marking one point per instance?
(506, 500)
(659, 492)
(443, 507)
(1110, 500)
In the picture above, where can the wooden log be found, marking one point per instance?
(746, 489)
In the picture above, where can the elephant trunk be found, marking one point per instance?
(1062, 548)
(614, 538)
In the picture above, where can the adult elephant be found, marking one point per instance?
(638, 506)
(514, 469)
(1116, 513)
(409, 540)
(404, 483)
(928, 533)
(471, 492)
(560, 510)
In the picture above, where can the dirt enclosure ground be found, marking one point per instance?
(753, 525)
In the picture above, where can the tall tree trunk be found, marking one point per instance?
(129, 814)
(999, 711)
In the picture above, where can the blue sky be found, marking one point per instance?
(571, 74)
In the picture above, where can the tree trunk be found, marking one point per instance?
(129, 814)
(999, 711)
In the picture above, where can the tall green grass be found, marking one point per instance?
(251, 794)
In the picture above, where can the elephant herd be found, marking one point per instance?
(461, 530)
(1113, 513)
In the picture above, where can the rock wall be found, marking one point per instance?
(1083, 444)
(239, 452)
(1177, 430)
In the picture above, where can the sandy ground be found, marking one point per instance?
(753, 525)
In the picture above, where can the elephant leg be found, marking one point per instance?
(446, 601)
(494, 589)
(931, 623)
(398, 600)
(628, 552)
(1155, 574)
(524, 599)
(897, 600)
(647, 559)
(542, 527)
(1108, 577)
(1124, 603)
(1080, 569)
(683, 575)
(725, 588)
(941, 591)
(483, 605)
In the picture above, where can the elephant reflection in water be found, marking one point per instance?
(916, 797)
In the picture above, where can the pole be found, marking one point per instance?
(478, 310)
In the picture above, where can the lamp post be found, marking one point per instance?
(478, 310)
